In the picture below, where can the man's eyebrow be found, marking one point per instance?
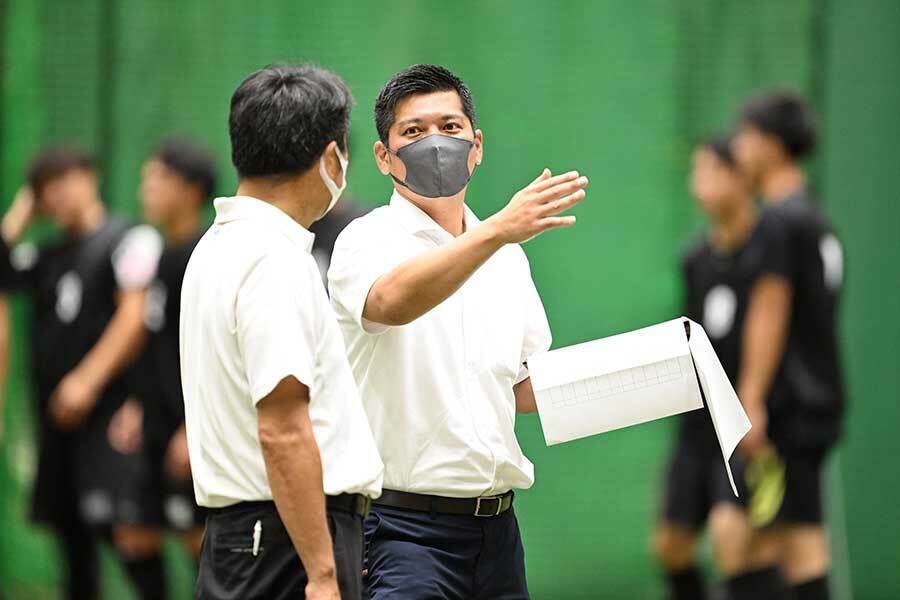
(408, 121)
(450, 116)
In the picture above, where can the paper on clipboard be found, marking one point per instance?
(632, 378)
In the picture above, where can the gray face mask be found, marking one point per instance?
(437, 166)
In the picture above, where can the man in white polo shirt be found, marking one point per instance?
(439, 313)
(279, 446)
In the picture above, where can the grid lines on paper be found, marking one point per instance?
(635, 378)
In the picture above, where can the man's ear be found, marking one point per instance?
(382, 158)
(479, 146)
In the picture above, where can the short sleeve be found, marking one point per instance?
(361, 255)
(136, 257)
(537, 336)
(275, 316)
(776, 256)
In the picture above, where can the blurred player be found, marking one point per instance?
(327, 230)
(177, 181)
(88, 290)
(723, 273)
(804, 408)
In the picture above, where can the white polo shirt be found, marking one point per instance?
(254, 311)
(439, 391)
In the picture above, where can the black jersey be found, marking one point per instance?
(158, 371)
(807, 399)
(327, 230)
(74, 284)
(718, 287)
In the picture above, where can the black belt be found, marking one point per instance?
(355, 504)
(484, 506)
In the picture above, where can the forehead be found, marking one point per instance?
(155, 167)
(153, 164)
(67, 177)
(702, 153)
(63, 183)
(428, 107)
(703, 156)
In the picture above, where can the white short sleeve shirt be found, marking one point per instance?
(438, 392)
(254, 311)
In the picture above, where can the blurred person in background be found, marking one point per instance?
(176, 183)
(723, 274)
(439, 313)
(798, 417)
(280, 449)
(88, 291)
(329, 227)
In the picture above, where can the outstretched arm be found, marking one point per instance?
(418, 285)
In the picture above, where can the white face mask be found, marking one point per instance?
(329, 183)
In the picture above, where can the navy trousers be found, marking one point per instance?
(412, 555)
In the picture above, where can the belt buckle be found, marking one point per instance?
(478, 501)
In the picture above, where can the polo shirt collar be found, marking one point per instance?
(417, 221)
(236, 208)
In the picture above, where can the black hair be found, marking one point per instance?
(191, 161)
(283, 117)
(785, 115)
(720, 145)
(415, 80)
(55, 162)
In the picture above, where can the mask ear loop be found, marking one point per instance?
(330, 183)
(344, 162)
(397, 156)
(332, 186)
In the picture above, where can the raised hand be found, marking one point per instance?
(19, 216)
(534, 209)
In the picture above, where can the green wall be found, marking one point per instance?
(861, 175)
(617, 90)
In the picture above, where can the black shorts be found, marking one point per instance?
(81, 477)
(696, 481)
(156, 499)
(802, 503)
(229, 570)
